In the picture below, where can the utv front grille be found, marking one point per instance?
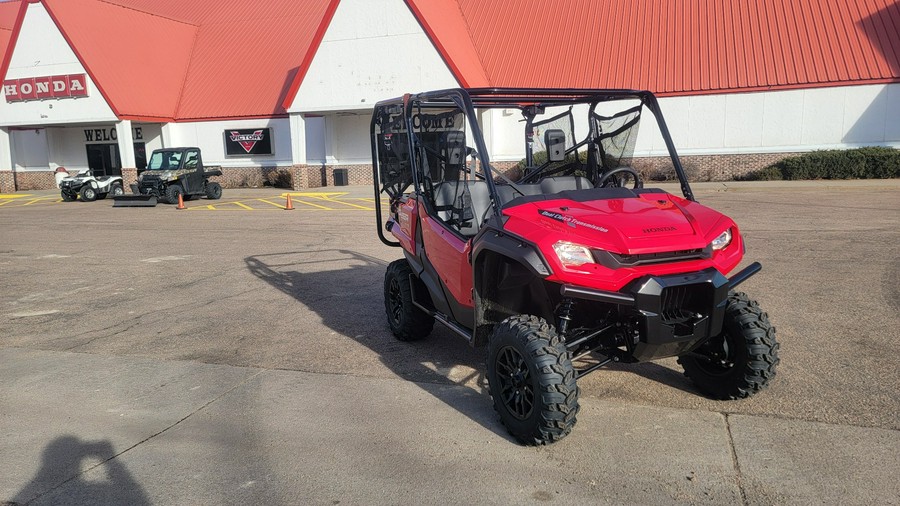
(661, 257)
(679, 304)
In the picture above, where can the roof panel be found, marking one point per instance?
(237, 69)
(140, 77)
(8, 13)
(675, 46)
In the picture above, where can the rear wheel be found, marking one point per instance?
(116, 190)
(172, 193)
(213, 191)
(532, 380)
(741, 360)
(88, 193)
(407, 322)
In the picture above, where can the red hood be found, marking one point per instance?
(650, 222)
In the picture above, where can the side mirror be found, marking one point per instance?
(555, 140)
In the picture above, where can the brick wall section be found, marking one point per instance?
(33, 180)
(298, 177)
(7, 183)
(306, 176)
(129, 177)
(254, 177)
(706, 167)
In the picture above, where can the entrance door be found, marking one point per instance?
(103, 159)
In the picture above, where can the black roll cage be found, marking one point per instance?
(530, 101)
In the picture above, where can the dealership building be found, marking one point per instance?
(280, 92)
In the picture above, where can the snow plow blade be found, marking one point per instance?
(134, 201)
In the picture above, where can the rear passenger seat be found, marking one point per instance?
(446, 194)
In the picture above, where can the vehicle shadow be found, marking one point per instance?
(345, 289)
(68, 475)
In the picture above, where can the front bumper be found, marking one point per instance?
(672, 314)
(148, 186)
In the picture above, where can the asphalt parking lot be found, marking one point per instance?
(157, 356)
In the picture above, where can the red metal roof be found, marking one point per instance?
(9, 11)
(172, 59)
(204, 59)
(669, 46)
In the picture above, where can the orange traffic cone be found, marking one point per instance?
(290, 205)
(180, 202)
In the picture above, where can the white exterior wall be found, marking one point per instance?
(765, 122)
(375, 49)
(53, 147)
(209, 136)
(30, 148)
(372, 50)
(41, 51)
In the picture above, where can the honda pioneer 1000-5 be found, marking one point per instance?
(566, 262)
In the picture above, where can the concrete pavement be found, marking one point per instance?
(88, 429)
(157, 356)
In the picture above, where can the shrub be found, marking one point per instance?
(862, 163)
(770, 173)
(881, 162)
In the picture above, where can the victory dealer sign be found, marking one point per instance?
(46, 87)
(248, 142)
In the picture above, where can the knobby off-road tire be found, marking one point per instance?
(88, 193)
(407, 322)
(213, 191)
(532, 380)
(116, 190)
(66, 197)
(172, 193)
(741, 360)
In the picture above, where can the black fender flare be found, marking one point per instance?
(493, 244)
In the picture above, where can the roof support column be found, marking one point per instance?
(165, 132)
(330, 139)
(298, 139)
(126, 144)
(5, 150)
(7, 178)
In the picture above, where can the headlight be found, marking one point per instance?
(723, 240)
(572, 255)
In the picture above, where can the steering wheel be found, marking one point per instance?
(617, 181)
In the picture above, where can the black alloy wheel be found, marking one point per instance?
(532, 380)
(407, 322)
(516, 390)
(741, 360)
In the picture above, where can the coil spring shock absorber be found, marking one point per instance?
(564, 315)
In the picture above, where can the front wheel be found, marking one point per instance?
(741, 360)
(88, 193)
(67, 197)
(172, 193)
(532, 380)
(407, 322)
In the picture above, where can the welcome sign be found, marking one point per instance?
(45, 87)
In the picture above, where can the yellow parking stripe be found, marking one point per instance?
(279, 206)
(311, 204)
(348, 204)
(242, 205)
(15, 195)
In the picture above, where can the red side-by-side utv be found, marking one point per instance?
(565, 262)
